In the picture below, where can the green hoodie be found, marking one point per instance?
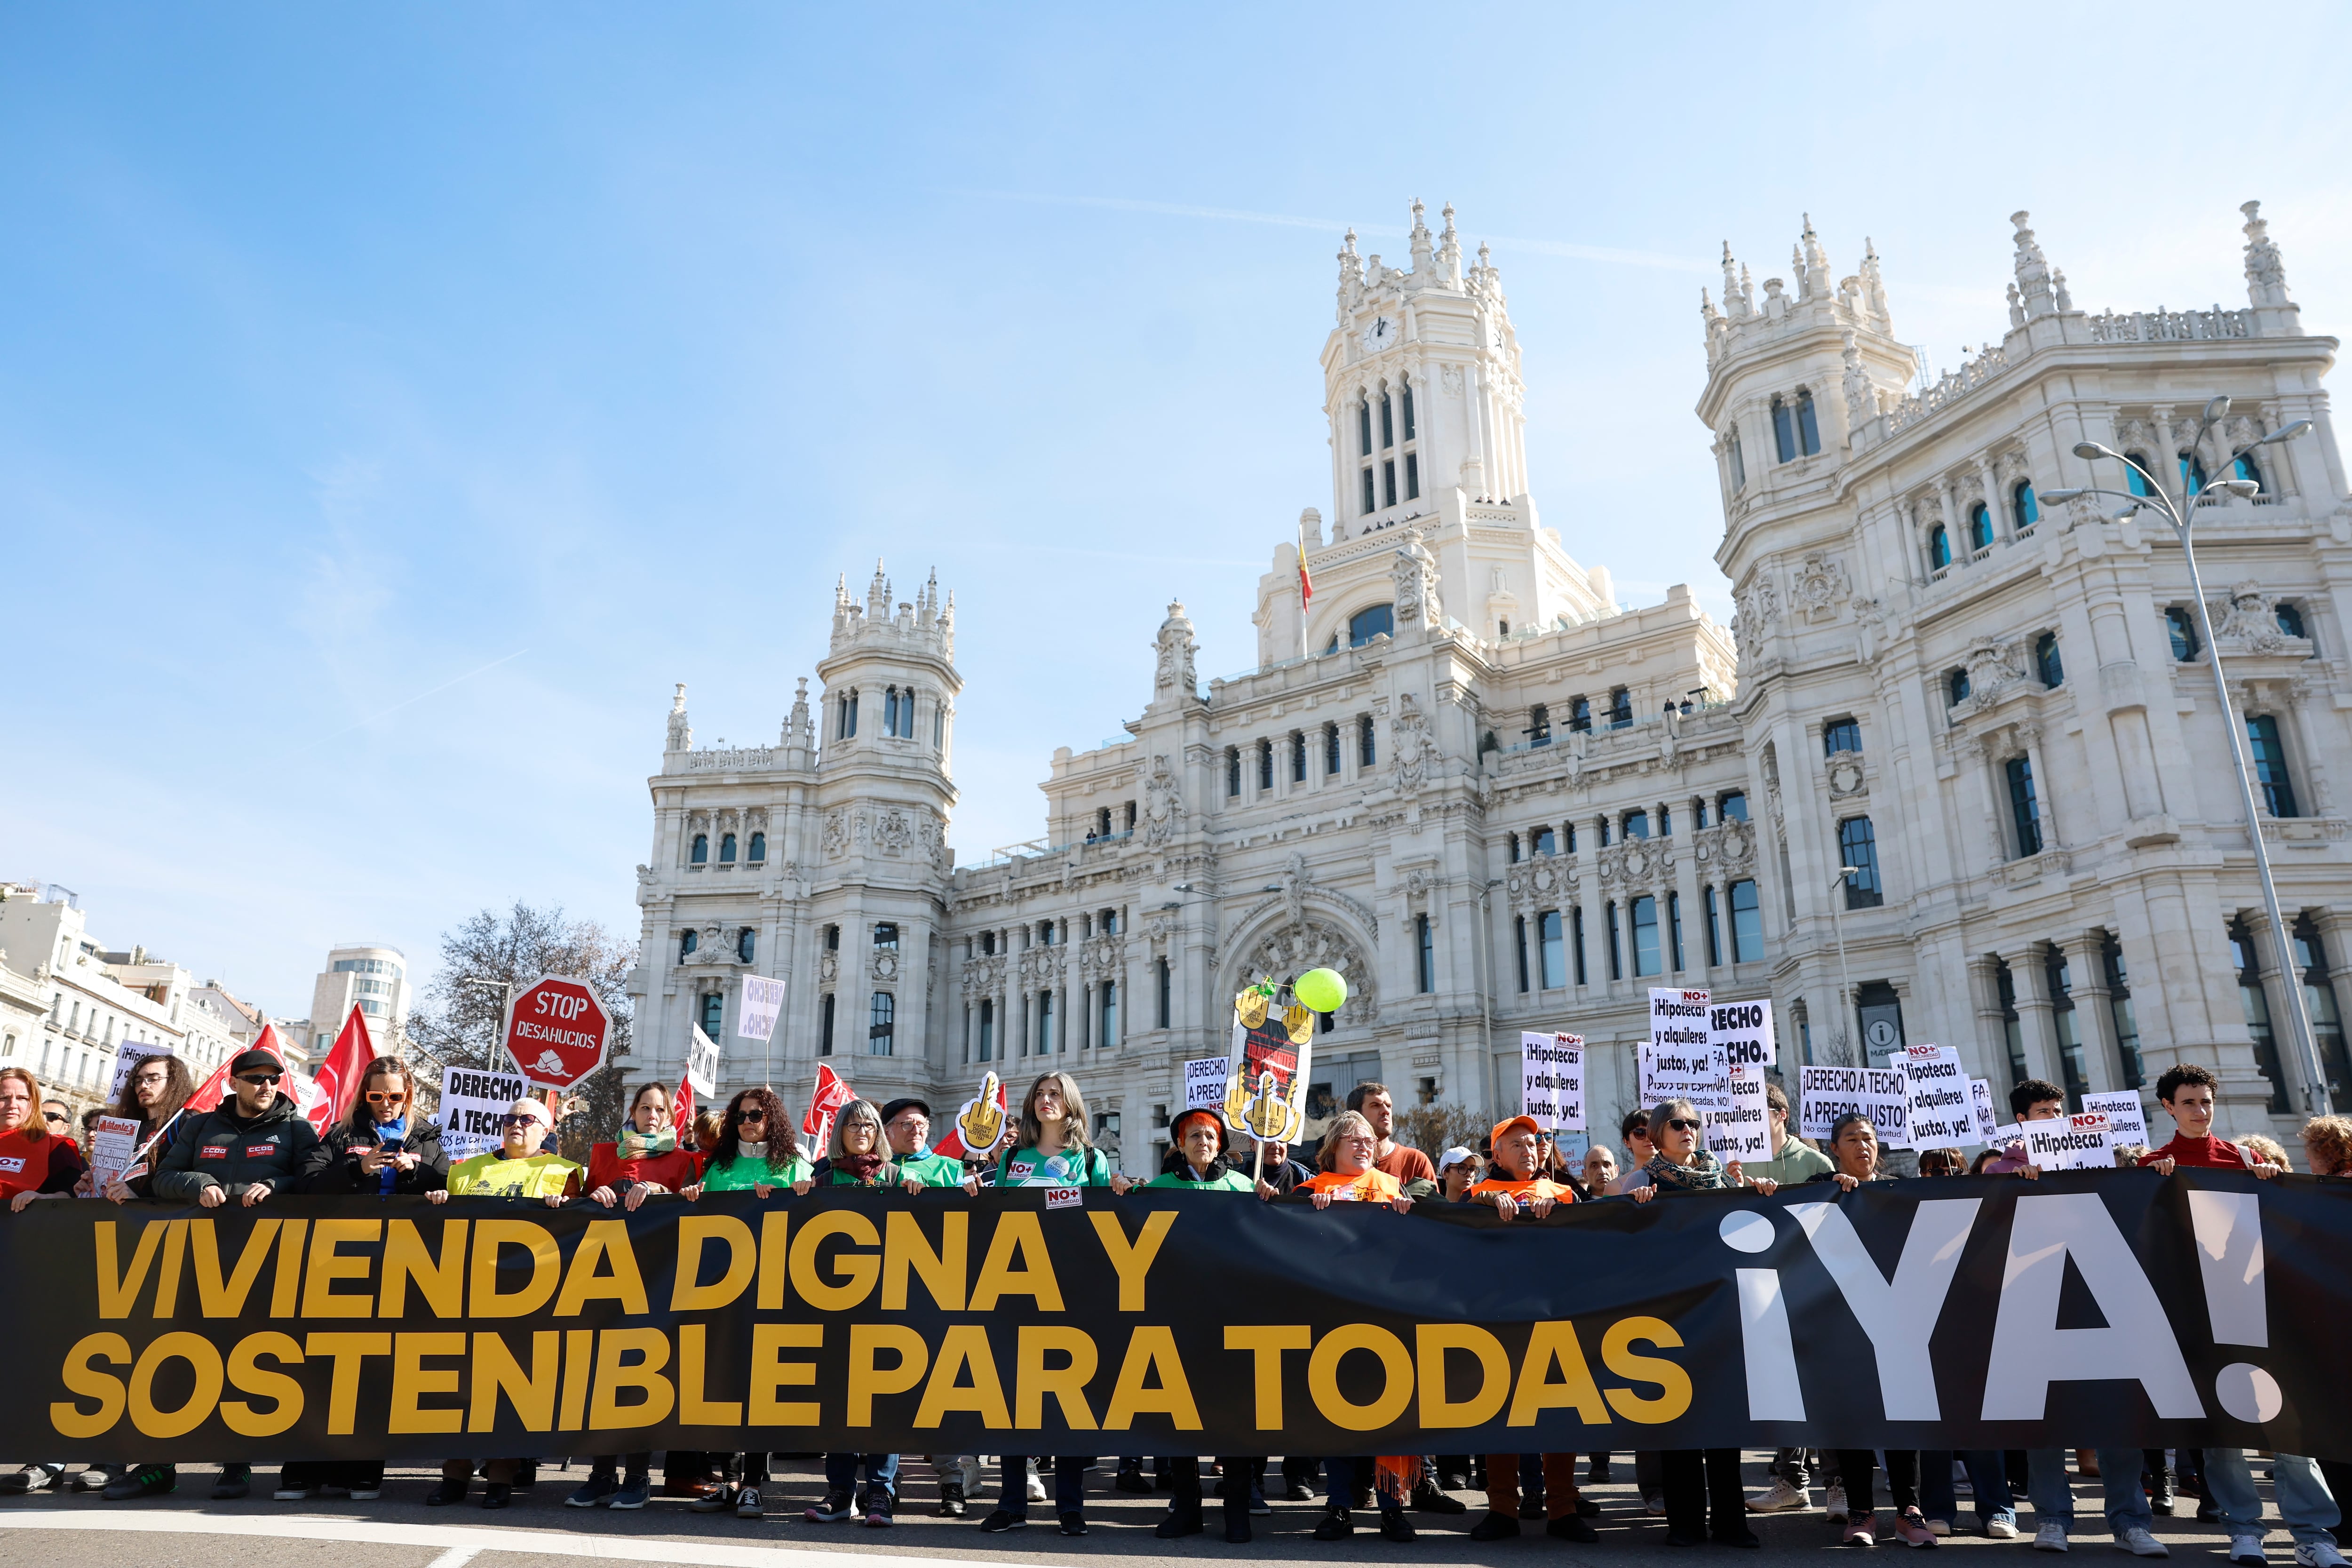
(740, 1174)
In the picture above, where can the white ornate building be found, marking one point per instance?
(1496, 801)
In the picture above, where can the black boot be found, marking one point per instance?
(1427, 1499)
(1336, 1525)
(1184, 1519)
(1394, 1526)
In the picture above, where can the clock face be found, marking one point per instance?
(1379, 334)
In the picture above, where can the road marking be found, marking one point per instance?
(461, 1542)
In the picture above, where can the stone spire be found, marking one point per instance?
(1736, 302)
(877, 594)
(1817, 264)
(1425, 254)
(1449, 252)
(1352, 278)
(2033, 270)
(797, 726)
(681, 733)
(2265, 271)
(1874, 287)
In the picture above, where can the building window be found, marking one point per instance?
(1044, 933)
(1365, 625)
(1388, 481)
(1939, 548)
(1675, 930)
(1370, 505)
(891, 711)
(1425, 954)
(1514, 840)
(1330, 751)
(1540, 724)
(1956, 687)
(2023, 819)
(1733, 805)
(1746, 923)
(1739, 459)
(1166, 999)
(1387, 422)
(1544, 843)
(1637, 824)
(714, 1017)
(1519, 948)
(1106, 1005)
(847, 724)
(759, 847)
(2023, 509)
(939, 725)
(833, 939)
(1045, 1042)
(2062, 1020)
(1644, 914)
(747, 943)
(2120, 1009)
(1621, 709)
(825, 1025)
(1840, 735)
(687, 943)
(2192, 472)
(2319, 1001)
(1551, 951)
(1572, 839)
(886, 936)
(2011, 1027)
(2245, 469)
(2046, 662)
(1784, 430)
(1265, 766)
(1616, 953)
(1979, 527)
(1364, 741)
(2182, 625)
(1576, 942)
(2270, 764)
(2290, 620)
(1809, 429)
(1297, 757)
(2136, 473)
(1232, 772)
(1579, 715)
(2257, 1010)
(1411, 473)
(1859, 846)
(726, 849)
(1364, 426)
(701, 853)
(1713, 931)
(879, 1032)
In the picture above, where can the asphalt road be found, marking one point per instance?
(50, 1530)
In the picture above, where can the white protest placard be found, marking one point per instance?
(2068, 1142)
(112, 1146)
(472, 1100)
(1827, 1093)
(127, 1057)
(1938, 1112)
(1204, 1084)
(1987, 1127)
(757, 1006)
(1742, 1031)
(1551, 1080)
(701, 1063)
(2127, 1115)
(1678, 1019)
(1740, 1128)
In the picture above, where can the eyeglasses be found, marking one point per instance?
(55, 1116)
(1682, 1124)
(748, 1115)
(512, 1120)
(382, 1099)
(258, 1078)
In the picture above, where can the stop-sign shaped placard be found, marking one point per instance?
(557, 1031)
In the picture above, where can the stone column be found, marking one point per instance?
(1992, 1032)
(2035, 1023)
(2094, 1019)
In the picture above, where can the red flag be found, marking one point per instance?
(1306, 584)
(832, 1094)
(952, 1141)
(314, 1106)
(339, 1076)
(682, 1110)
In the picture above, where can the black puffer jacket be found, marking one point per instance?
(223, 1149)
(334, 1165)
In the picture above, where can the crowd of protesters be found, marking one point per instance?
(255, 1145)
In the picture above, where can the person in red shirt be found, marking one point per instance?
(645, 1160)
(1408, 1164)
(2185, 1092)
(38, 1159)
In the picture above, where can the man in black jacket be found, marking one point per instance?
(249, 1146)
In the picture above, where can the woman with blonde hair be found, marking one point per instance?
(1345, 1169)
(1050, 1150)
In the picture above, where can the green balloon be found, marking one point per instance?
(1322, 989)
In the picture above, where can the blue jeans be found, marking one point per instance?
(1069, 1484)
(2305, 1503)
(1987, 1480)
(2053, 1496)
(881, 1470)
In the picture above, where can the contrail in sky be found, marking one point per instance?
(412, 701)
(1286, 220)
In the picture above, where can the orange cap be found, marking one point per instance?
(1496, 1137)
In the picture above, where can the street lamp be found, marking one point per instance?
(1845, 984)
(2182, 516)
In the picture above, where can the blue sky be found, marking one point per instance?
(394, 401)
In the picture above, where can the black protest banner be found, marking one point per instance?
(2111, 1308)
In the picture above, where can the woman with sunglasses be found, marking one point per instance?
(385, 1146)
(753, 1151)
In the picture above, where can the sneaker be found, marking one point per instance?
(1653, 1503)
(1859, 1530)
(951, 1503)
(2001, 1529)
(366, 1494)
(2051, 1537)
(974, 1478)
(527, 1474)
(1534, 1507)
(1073, 1523)
(633, 1495)
(1939, 1526)
(1336, 1525)
(93, 1479)
(1037, 1492)
(1494, 1526)
(1835, 1505)
(2140, 1543)
(592, 1493)
(1913, 1530)
(2317, 1554)
(1427, 1499)
(1394, 1526)
(1571, 1527)
(1178, 1524)
(147, 1481)
(1127, 1480)
(748, 1504)
(1298, 1492)
(714, 1502)
(997, 1522)
(32, 1477)
(1597, 1470)
(294, 1491)
(833, 1507)
(1781, 1497)
(496, 1494)
(2246, 1546)
(234, 1482)
(447, 1492)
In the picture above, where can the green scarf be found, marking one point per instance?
(636, 1146)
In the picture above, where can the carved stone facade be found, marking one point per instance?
(1527, 822)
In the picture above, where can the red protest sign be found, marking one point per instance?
(557, 1032)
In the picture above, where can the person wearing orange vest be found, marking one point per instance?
(1346, 1170)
